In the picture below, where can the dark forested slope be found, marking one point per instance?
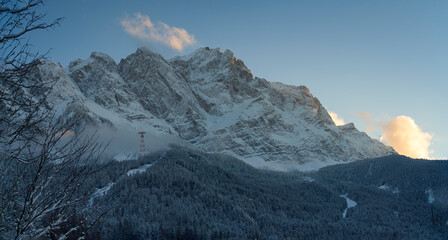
(192, 195)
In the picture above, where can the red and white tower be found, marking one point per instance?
(142, 152)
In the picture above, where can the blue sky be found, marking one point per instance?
(384, 58)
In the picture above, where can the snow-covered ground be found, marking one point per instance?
(386, 187)
(308, 179)
(102, 191)
(125, 157)
(141, 169)
(99, 192)
(284, 166)
(430, 194)
(350, 204)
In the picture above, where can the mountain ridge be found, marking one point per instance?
(211, 100)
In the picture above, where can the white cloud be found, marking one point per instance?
(336, 118)
(406, 137)
(141, 27)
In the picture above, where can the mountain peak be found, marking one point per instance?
(145, 53)
(201, 53)
(212, 61)
(98, 59)
(208, 50)
(145, 50)
(207, 54)
(102, 57)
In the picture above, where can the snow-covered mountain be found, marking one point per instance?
(211, 100)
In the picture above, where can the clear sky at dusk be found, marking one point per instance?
(381, 59)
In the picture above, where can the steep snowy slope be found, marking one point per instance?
(65, 99)
(212, 100)
(163, 92)
(99, 80)
(252, 117)
(110, 96)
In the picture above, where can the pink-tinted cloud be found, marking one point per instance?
(336, 118)
(141, 27)
(406, 137)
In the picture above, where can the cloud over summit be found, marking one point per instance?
(141, 27)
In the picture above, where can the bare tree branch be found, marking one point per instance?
(42, 169)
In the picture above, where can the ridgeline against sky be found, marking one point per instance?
(369, 62)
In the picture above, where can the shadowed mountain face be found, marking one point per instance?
(209, 99)
(196, 195)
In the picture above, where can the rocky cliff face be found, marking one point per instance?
(211, 100)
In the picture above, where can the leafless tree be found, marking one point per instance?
(20, 109)
(43, 165)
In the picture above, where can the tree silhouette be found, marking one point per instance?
(42, 165)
